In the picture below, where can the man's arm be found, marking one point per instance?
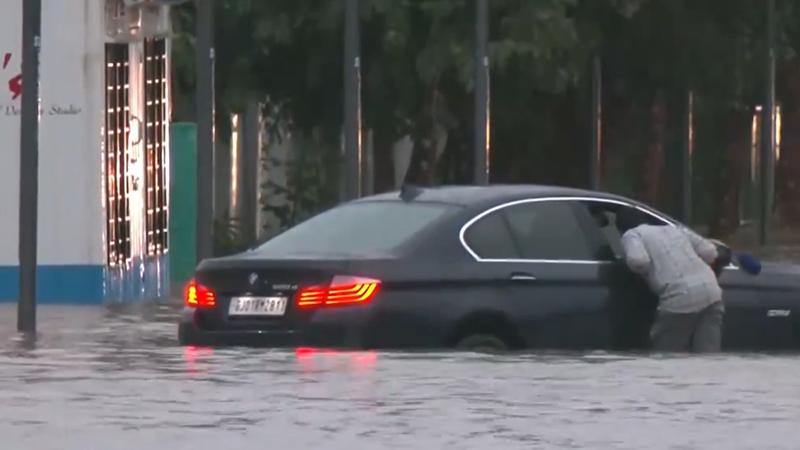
(636, 256)
(704, 248)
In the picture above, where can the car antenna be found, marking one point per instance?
(409, 192)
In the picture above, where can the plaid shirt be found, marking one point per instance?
(675, 262)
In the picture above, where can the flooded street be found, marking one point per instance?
(100, 381)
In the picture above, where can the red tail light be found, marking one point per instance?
(341, 291)
(198, 296)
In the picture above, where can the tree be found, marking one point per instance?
(417, 80)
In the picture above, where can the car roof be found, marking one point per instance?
(497, 193)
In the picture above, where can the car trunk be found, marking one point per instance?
(278, 279)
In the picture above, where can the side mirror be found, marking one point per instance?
(747, 262)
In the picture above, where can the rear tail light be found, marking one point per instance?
(341, 291)
(198, 296)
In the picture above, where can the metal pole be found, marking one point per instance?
(248, 170)
(686, 161)
(482, 99)
(205, 127)
(597, 123)
(352, 101)
(29, 165)
(368, 174)
(768, 130)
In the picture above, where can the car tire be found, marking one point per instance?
(482, 343)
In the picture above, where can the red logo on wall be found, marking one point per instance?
(14, 83)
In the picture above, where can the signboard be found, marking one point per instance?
(71, 107)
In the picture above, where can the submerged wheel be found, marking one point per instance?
(483, 343)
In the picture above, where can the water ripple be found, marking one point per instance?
(99, 380)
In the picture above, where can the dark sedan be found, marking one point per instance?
(498, 267)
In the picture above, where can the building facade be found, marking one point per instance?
(103, 151)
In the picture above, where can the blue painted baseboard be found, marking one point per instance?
(143, 279)
(73, 284)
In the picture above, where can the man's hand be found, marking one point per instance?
(704, 248)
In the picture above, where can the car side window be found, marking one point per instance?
(603, 215)
(550, 230)
(490, 238)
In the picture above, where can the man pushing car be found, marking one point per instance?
(678, 265)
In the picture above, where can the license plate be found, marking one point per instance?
(257, 306)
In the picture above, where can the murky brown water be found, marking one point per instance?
(100, 381)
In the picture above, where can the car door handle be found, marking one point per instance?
(519, 276)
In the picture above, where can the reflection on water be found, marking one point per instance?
(95, 380)
(311, 361)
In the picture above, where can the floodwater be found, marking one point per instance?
(96, 380)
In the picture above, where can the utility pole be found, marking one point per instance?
(249, 164)
(686, 160)
(768, 130)
(205, 127)
(482, 99)
(29, 165)
(597, 123)
(352, 101)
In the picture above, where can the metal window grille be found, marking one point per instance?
(155, 73)
(117, 116)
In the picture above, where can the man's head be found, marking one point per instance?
(599, 216)
(628, 218)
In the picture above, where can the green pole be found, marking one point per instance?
(182, 202)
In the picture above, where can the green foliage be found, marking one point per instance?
(228, 238)
(291, 50)
(418, 65)
(311, 184)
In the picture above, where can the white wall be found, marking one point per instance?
(10, 42)
(70, 201)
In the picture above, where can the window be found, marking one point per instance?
(116, 130)
(155, 157)
(357, 228)
(606, 220)
(550, 230)
(604, 216)
(490, 238)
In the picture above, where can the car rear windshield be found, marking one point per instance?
(356, 229)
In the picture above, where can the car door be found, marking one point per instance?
(757, 312)
(554, 282)
(751, 322)
(632, 305)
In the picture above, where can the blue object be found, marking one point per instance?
(749, 263)
(141, 279)
(65, 284)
